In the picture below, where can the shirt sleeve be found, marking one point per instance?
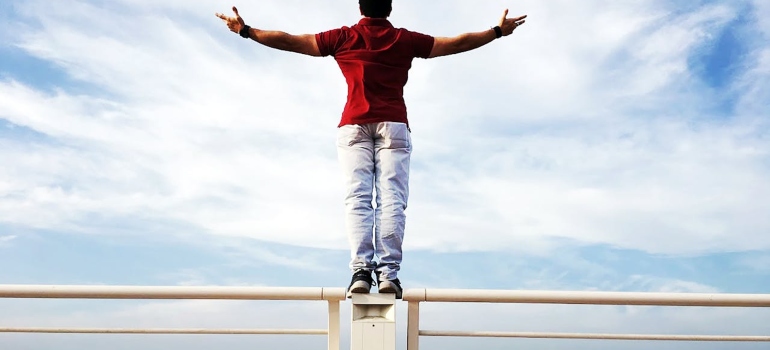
(423, 44)
(330, 41)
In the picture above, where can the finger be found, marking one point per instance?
(236, 11)
(520, 18)
(505, 14)
(220, 16)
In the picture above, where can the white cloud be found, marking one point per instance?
(762, 16)
(4, 240)
(646, 283)
(666, 189)
(585, 124)
(756, 263)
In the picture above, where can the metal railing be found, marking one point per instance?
(414, 297)
(332, 295)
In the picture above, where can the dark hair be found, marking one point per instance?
(376, 8)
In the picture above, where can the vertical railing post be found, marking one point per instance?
(413, 326)
(334, 325)
(373, 322)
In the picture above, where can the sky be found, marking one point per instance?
(605, 145)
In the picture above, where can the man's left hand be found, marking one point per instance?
(508, 25)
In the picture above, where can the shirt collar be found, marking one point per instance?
(378, 22)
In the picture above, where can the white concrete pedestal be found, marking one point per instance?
(374, 322)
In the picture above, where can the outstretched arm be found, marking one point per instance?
(304, 44)
(472, 41)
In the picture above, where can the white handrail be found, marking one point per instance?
(332, 295)
(164, 331)
(586, 297)
(415, 296)
(599, 336)
(174, 292)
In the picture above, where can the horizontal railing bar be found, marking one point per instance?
(165, 331)
(174, 292)
(535, 335)
(587, 297)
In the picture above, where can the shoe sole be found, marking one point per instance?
(359, 287)
(390, 288)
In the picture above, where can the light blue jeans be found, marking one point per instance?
(375, 159)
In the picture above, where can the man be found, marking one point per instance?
(373, 139)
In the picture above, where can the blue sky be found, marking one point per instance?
(606, 145)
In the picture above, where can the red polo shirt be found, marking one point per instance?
(375, 59)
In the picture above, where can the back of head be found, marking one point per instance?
(376, 8)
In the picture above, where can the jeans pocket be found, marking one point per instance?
(395, 135)
(349, 135)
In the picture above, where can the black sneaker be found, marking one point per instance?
(360, 283)
(390, 286)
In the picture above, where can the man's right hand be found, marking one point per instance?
(472, 41)
(234, 23)
(508, 25)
